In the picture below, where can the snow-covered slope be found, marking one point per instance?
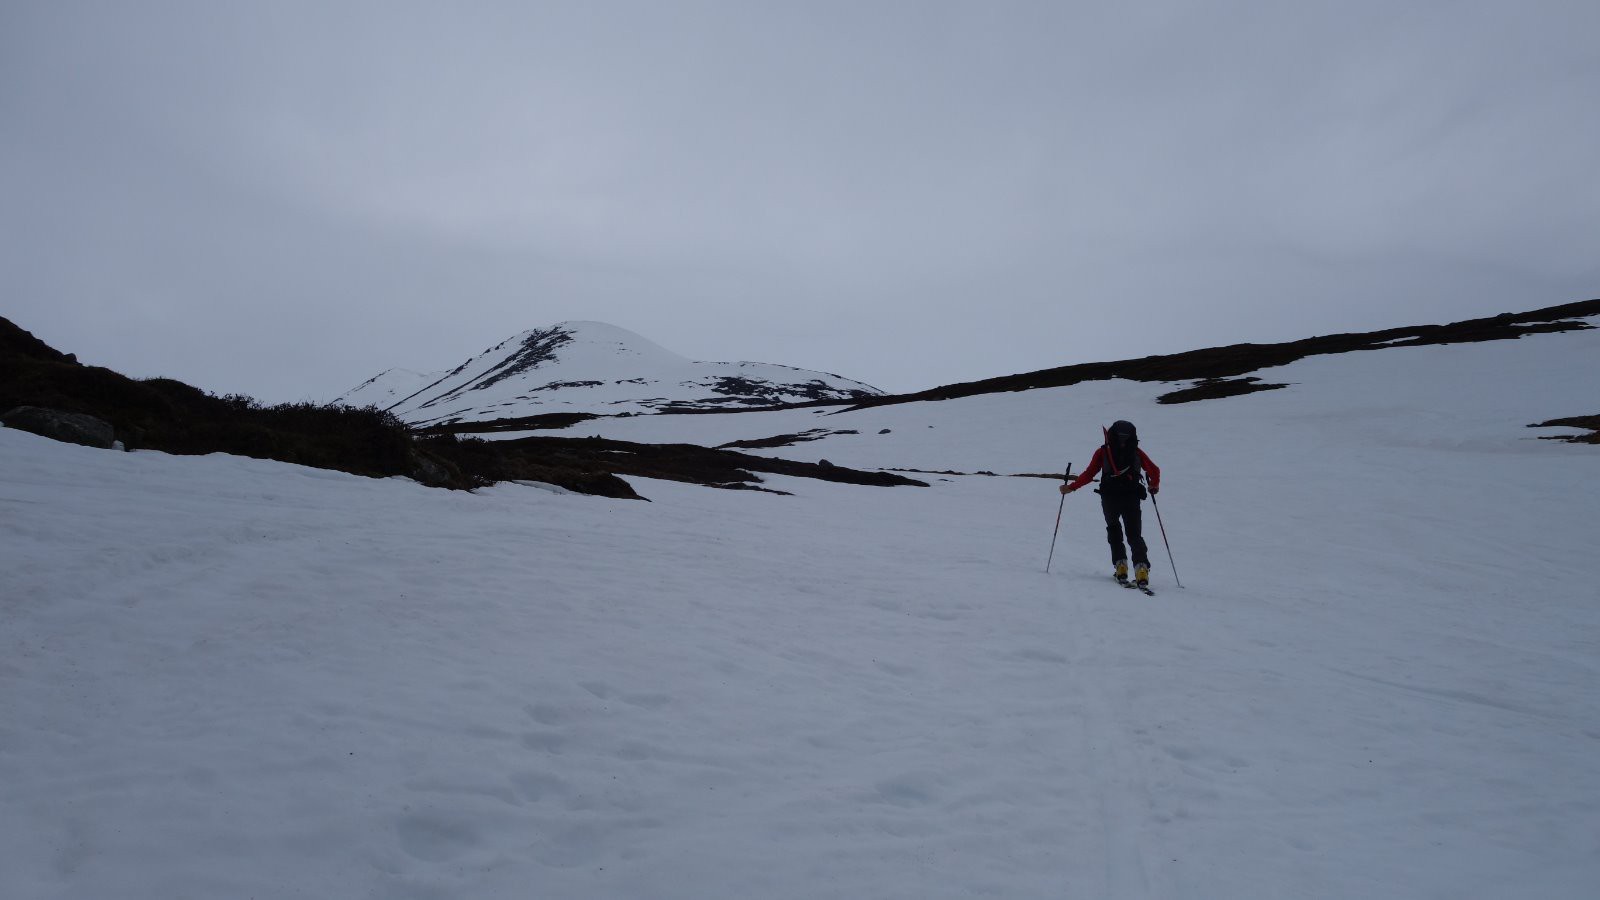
(229, 678)
(388, 387)
(1478, 395)
(590, 367)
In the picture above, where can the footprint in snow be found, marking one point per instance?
(583, 842)
(1037, 654)
(905, 791)
(538, 786)
(1206, 760)
(547, 714)
(547, 741)
(637, 751)
(436, 838)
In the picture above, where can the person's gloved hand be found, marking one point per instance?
(1067, 489)
(1154, 490)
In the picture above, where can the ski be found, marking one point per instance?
(1132, 586)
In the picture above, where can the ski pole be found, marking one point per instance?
(1164, 540)
(1066, 478)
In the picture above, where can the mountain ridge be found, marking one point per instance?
(1220, 371)
(585, 367)
(1212, 372)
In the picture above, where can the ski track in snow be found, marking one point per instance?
(227, 678)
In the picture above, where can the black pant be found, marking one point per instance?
(1122, 512)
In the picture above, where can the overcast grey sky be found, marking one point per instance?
(284, 198)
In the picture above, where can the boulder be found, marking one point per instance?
(428, 470)
(74, 428)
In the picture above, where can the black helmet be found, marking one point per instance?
(1123, 431)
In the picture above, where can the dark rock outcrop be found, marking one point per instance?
(1591, 423)
(74, 428)
(431, 471)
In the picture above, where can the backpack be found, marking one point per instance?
(1122, 469)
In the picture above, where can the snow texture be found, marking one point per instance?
(225, 677)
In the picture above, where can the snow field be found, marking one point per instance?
(587, 698)
(226, 677)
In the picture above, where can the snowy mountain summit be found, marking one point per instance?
(590, 367)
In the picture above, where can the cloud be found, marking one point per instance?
(285, 198)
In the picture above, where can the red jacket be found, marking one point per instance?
(1152, 473)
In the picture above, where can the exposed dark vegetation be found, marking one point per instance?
(681, 462)
(1592, 423)
(785, 440)
(167, 415)
(488, 462)
(755, 390)
(1216, 388)
(558, 385)
(521, 423)
(1241, 359)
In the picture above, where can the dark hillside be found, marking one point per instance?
(14, 342)
(168, 415)
(1217, 370)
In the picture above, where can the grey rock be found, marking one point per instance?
(428, 471)
(74, 428)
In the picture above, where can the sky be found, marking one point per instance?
(283, 199)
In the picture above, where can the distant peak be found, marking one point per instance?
(598, 331)
(588, 324)
(596, 368)
(588, 333)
